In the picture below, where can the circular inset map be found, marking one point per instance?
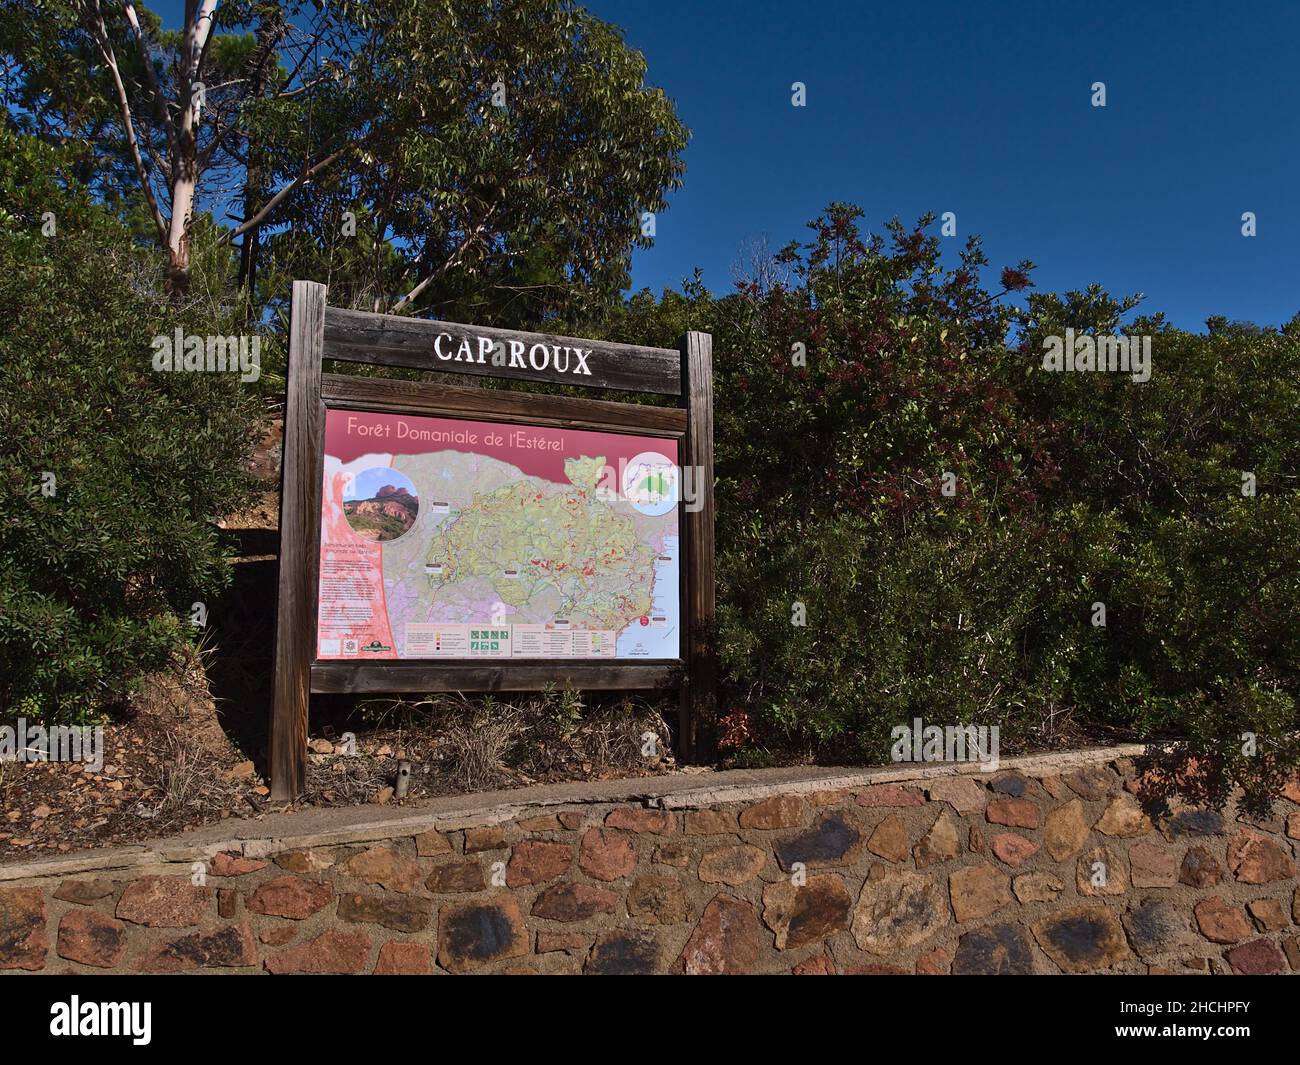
(651, 483)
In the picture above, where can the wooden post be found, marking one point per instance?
(300, 491)
(699, 693)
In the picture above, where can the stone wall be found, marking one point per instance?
(1048, 866)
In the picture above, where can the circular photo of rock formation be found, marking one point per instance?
(380, 504)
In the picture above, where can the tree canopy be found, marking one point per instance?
(417, 155)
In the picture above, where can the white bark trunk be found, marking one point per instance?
(184, 164)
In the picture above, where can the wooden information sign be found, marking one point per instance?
(444, 538)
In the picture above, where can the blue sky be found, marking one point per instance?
(985, 109)
(366, 483)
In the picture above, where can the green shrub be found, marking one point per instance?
(99, 566)
(1070, 489)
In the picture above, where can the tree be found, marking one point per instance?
(506, 179)
(467, 143)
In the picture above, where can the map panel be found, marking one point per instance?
(459, 539)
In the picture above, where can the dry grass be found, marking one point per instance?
(344, 781)
(185, 786)
(484, 743)
(475, 753)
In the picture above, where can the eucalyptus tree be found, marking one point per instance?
(412, 153)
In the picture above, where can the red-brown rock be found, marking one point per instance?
(432, 843)
(635, 819)
(624, 952)
(164, 902)
(1037, 887)
(1082, 939)
(1014, 813)
(942, 843)
(573, 902)
(329, 952)
(1013, 849)
(1092, 783)
(1219, 922)
(1291, 789)
(1101, 871)
(537, 861)
(964, 794)
(1199, 868)
(541, 823)
(935, 962)
(676, 854)
(1256, 859)
(1123, 817)
(401, 913)
(385, 867)
(1256, 958)
(711, 822)
(978, 891)
(732, 865)
(227, 948)
(290, 896)
(91, 938)
(897, 911)
(398, 958)
(224, 864)
(780, 811)
(311, 860)
(1066, 830)
(84, 892)
(457, 877)
(1291, 946)
(727, 939)
(807, 913)
(889, 839)
(1267, 915)
(606, 855)
(550, 942)
(473, 934)
(1151, 866)
(657, 899)
(485, 838)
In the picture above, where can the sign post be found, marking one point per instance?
(443, 538)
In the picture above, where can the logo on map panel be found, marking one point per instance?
(650, 483)
(449, 538)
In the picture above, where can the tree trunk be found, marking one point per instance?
(270, 28)
(178, 269)
(185, 164)
(178, 230)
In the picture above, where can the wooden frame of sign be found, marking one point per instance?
(319, 332)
